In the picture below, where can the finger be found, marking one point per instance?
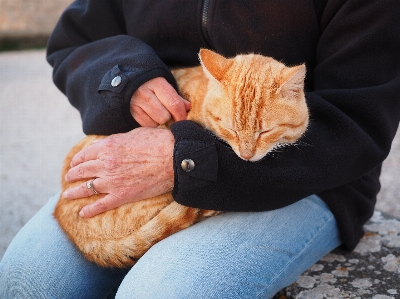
(102, 205)
(172, 102)
(86, 154)
(82, 190)
(187, 104)
(146, 99)
(85, 170)
(149, 109)
(157, 112)
(142, 118)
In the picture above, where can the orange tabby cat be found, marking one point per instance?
(252, 102)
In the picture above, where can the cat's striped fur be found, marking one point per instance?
(252, 102)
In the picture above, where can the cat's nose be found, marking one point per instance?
(246, 150)
(246, 155)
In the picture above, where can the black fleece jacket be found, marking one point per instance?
(352, 53)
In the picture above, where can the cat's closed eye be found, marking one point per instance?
(213, 116)
(266, 132)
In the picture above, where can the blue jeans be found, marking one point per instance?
(233, 255)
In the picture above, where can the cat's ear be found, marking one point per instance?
(293, 82)
(214, 65)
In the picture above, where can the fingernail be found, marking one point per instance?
(65, 194)
(82, 214)
(66, 177)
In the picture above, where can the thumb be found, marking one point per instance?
(187, 104)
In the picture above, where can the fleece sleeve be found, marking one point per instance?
(355, 112)
(88, 48)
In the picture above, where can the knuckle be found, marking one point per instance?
(109, 142)
(85, 189)
(109, 157)
(110, 163)
(80, 172)
(108, 149)
(138, 93)
(173, 101)
(142, 94)
(137, 110)
(176, 107)
(160, 80)
(122, 192)
(82, 155)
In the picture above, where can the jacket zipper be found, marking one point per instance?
(204, 23)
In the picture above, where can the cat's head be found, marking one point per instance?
(254, 103)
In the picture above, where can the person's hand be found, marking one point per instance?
(128, 167)
(155, 102)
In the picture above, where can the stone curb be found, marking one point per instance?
(372, 270)
(29, 18)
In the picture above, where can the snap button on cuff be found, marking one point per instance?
(116, 81)
(187, 165)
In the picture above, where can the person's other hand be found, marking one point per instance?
(128, 167)
(156, 102)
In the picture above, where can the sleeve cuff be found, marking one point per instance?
(118, 85)
(198, 149)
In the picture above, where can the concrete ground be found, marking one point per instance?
(38, 126)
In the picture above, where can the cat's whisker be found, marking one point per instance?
(239, 102)
(279, 146)
(300, 144)
(304, 143)
(274, 155)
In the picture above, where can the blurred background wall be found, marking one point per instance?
(28, 23)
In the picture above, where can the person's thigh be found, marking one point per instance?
(42, 263)
(235, 255)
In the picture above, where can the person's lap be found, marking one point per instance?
(233, 255)
(42, 263)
